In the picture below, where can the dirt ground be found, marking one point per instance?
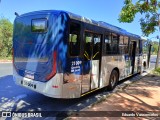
(140, 96)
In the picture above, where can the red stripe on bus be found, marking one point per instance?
(54, 66)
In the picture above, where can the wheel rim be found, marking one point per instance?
(113, 80)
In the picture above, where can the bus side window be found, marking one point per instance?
(112, 44)
(123, 45)
(140, 46)
(126, 45)
(137, 49)
(115, 44)
(74, 39)
(107, 41)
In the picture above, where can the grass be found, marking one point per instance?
(156, 71)
(6, 58)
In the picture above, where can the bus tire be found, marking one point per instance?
(113, 80)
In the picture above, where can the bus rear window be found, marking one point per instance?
(39, 25)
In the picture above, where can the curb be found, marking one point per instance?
(6, 62)
(123, 86)
(73, 110)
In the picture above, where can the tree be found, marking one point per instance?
(6, 31)
(154, 48)
(148, 8)
(150, 20)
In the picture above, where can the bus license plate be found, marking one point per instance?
(28, 84)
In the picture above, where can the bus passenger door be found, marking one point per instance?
(95, 62)
(91, 62)
(132, 55)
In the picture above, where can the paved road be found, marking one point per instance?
(5, 69)
(16, 98)
(13, 97)
(153, 59)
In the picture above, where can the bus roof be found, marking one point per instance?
(102, 24)
(108, 26)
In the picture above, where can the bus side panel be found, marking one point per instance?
(123, 66)
(60, 33)
(137, 67)
(121, 62)
(107, 65)
(72, 78)
(136, 64)
(69, 67)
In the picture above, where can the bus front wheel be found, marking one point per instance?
(113, 80)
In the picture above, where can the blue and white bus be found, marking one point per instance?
(64, 55)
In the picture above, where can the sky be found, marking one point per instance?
(99, 10)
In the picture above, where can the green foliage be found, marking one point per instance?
(157, 71)
(6, 32)
(128, 12)
(154, 47)
(148, 8)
